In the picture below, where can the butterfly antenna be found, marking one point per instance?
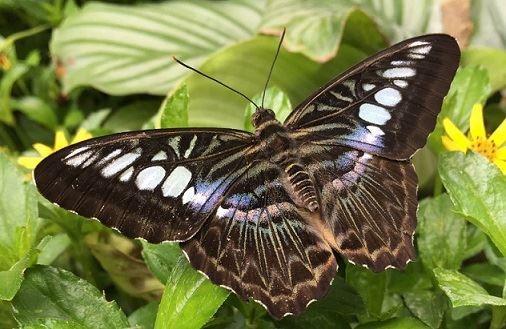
(272, 65)
(215, 80)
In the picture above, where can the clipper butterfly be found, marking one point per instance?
(265, 214)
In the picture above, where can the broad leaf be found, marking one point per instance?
(122, 50)
(49, 293)
(429, 306)
(486, 273)
(316, 28)
(463, 291)
(144, 317)
(491, 59)
(372, 287)
(397, 323)
(478, 190)
(441, 233)
(189, 299)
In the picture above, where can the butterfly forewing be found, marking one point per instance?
(386, 105)
(160, 185)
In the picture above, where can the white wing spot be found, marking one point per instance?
(419, 43)
(159, 156)
(77, 150)
(177, 181)
(121, 163)
(374, 114)
(422, 50)
(399, 72)
(126, 175)
(375, 131)
(368, 86)
(149, 178)
(341, 97)
(401, 63)
(190, 148)
(416, 56)
(401, 83)
(79, 159)
(188, 195)
(388, 97)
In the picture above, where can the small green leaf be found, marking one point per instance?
(128, 49)
(441, 233)
(371, 287)
(275, 100)
(189, 299)
(50, 293)
(161, 258)
(492, 60)
(37, 110)
(12, 279)
(6, 83)
(132, 116)
(397, 323)
(429, 306)
(54, 324)
(478, 190)
(486, 273)
(471, 85)
(174, 109)
(144, 317)
(463, 291)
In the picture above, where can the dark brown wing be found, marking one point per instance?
(368, 203)
(259, 244)
(160, 185)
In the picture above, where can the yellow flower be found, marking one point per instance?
(5, 63)
(493, 147)
(60, 141)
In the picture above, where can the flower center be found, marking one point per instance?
(485, 147)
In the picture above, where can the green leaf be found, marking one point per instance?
(18, 214)
(463, 291)
(123, 50)
(212, 105)
(441, 233)
(12, 279)
(428, 306)
(492, 60)
(478, 190)
(174, 109)
(275, 100)
(189, 299)
(144, 316)
(7, 82)
(397, 323)
(371, 286)
(50, 293)
(161, 258)
(471, 85)
(132, 116)
(315, 28)
(486, 273)
(55, 246)
(54, 324)
(37, 110)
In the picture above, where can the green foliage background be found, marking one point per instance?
(106, 67)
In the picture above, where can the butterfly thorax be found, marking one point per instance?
(277, 147)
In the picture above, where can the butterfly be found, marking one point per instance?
(266, 214)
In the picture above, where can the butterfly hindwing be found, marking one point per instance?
(262, 246)
(385, 105)
(369, 203)
(160, 185)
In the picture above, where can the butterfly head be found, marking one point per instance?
(261, 116)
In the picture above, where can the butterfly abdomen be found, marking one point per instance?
(302, 185)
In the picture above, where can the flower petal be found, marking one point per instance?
(455, 134)
(450, 145)
(81, 135)
(29, 162)
(43, 150)
(476, 126)
(501, 164)
(60, 141)
(499, 135)
(501, 153)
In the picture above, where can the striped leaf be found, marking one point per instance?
(123, 50)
